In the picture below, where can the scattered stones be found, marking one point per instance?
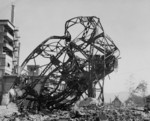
(75, 114)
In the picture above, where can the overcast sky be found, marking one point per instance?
(127, 22)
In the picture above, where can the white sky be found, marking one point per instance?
(127, 22)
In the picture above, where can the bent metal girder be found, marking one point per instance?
(69, 65)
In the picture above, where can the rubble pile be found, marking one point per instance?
(76, 113)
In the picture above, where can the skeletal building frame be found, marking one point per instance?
(71, 65)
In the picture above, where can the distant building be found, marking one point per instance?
(130, 103)
(116, 102)
(9, 49)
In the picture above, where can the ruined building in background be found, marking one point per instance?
(116, 102)
(9, 49)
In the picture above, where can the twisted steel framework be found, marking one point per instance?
(70, 65)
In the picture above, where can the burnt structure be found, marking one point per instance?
(9, 48)
(68, 66)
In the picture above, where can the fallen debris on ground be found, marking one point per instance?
(75, 114)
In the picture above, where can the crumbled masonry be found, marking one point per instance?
(93, 113)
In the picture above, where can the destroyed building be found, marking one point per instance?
(9, 48)
(61, 69)
(9, 54)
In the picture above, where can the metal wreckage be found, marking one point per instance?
(70, 66)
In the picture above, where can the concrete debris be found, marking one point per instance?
(89, 101)
(75, 114)
(5, 99)
(9, 110)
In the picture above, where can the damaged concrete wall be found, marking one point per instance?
(5, 84)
